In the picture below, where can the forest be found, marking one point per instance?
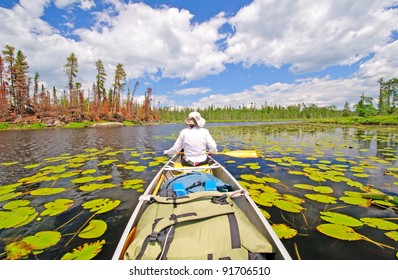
(50, 106)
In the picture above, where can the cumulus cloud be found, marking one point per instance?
(151, 40)
(193, 91)
(309, 35)
(319, 91)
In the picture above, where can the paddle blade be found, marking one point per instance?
(241, 154)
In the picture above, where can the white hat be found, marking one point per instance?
(195, 118)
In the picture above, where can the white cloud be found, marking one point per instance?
(322, 92)
(83, 4)
(193, 91)
(309, 35)
(383, 64)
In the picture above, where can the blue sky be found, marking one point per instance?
(221, 53)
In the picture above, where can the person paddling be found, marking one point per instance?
(194, 141)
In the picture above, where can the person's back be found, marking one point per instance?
(194, 140)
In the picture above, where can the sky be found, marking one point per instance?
(201, 53)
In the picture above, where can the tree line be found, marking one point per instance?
(17, 102)
(73, 104)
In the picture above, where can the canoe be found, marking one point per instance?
(173, 169)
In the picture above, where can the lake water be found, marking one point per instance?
(61, 182)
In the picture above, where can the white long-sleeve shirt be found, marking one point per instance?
(194, 141)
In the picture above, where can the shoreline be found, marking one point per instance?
(22, 125)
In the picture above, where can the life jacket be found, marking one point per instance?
(197, 226)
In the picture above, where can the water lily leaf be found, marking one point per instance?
(304, 186)
(31, 166)
(392, 234)
(93, 187)
(266, 199)
(103, 177)
(380, 223)
(295, 172)
(18, 216)
(323, 189)
(9, 196)
(9, 163)
(83, 180)
(35, 244)
(89, 171)
(15, 204)
(139, 168)
(133, 182)
(7, 189)
(56, 207)
(271, 180)
(321, 198)
(339, 231)
(341, 219)
(85, 252)
(55, 169)
(284, 231)
(101, 205)
(95, 229)
(107, 162)
(293, 198)
(361, 175)
(47, 191)
(265, 213)
(288, 206)
(355, 201)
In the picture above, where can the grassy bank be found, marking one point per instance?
(374, 120)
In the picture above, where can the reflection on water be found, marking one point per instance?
(365, 155)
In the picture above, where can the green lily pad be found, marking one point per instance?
(56, 207)
(93, 187)
(380, 223)
(89, 171)
(288, 206)
(47, 191)
(83, 180)
(304, 186)
(323, 189)
(341, 219)
(17, 217)
(9, 196)
(95, 229)
(35, 244)
(355, 201)
(339, 231)
(321, 198)
(85, 252)
(284, 231)
(392, 234)
(101, 205)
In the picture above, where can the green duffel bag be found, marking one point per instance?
(198, 226)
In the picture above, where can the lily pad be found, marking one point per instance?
(288, 206)
(47, 191)
(339, 231)
(93, 187)
(341, 219)
(35, 244)
(284, 231)
(392, 234)
(380, 223)
(101, 205)
(321, 198)
(56, 207)
(85, 252)
(95, 229)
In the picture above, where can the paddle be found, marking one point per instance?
(241, 154)
(237, 153)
